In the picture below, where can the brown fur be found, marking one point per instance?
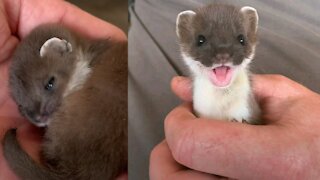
(87, 134)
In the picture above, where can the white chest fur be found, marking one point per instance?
(234, 102)
(231, 103)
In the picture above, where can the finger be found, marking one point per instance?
(8, 108)
(123, 176)
(163, 166)
(224, 148)
(29, 138)
(276, 86)
(28, 135)
(161, 162)
(182, 87)
(7, 41)
(192, 175)
(5, 171)
(32, 13)
(9, 123)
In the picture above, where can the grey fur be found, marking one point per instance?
(87, 134)
(221, 25)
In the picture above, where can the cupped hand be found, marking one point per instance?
(17, 19)
(287, 147)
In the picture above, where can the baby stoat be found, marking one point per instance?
(77, 89)
(217, 43)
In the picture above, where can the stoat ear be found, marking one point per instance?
(183, 22)
(250, 19)
(55, 45)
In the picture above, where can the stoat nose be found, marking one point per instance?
(223, 57)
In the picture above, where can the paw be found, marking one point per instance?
(55, 45)
(234, 120)
(240, 121)
(245, 121)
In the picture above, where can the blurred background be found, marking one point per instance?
(113, 11)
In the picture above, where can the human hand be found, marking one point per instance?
(164, 167)
(288, 146)
(17, 19)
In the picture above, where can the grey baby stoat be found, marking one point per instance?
(217, 43)
(76, 88)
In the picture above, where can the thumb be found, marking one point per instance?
(182, 87)
(276, 86)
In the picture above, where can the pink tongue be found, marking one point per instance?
(221, 76)
(221, 73)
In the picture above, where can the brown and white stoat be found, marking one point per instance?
(217, 43)
(77, 89)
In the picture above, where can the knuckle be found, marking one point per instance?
(152, 162)
(170, 118)
(280, 78)
(154, 153)
(183, 147)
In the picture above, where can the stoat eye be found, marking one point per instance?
(201, 40)
(241, 39)
(50, 84)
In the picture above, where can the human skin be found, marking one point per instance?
(17, 19)
(286, 147)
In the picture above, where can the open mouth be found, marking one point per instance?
(221, 76)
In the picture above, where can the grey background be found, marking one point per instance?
(289, 44)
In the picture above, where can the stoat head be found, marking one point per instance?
(43, 71)
(217, 41)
